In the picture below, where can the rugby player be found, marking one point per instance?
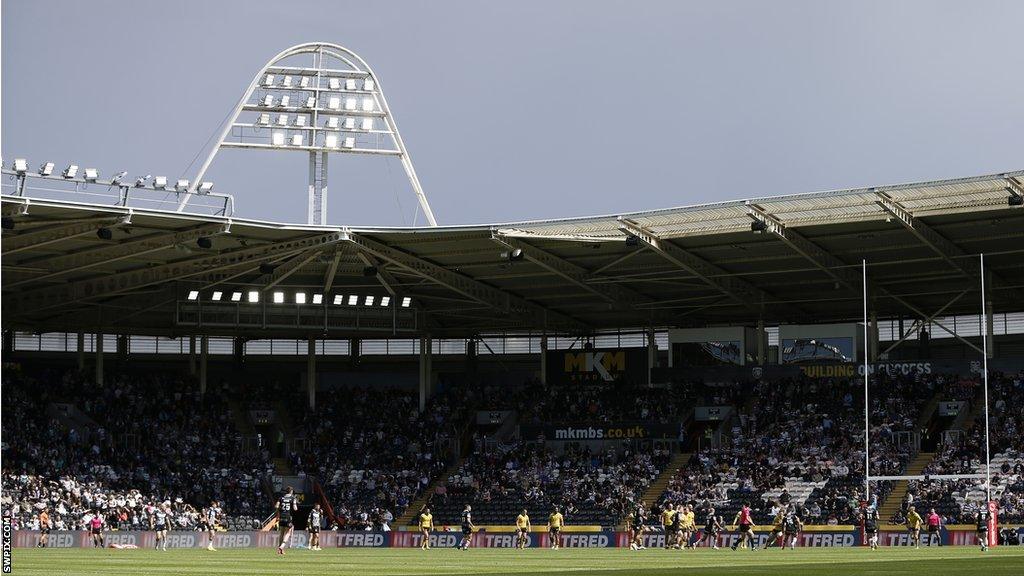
(712, 527)
(522, 530)
(777, 531)
(914, 526)
(44, 528)
(313, 527)
(688, 528)
(636, 527)
(555, 522)
(981, 518)
(668, 520)
(159, 522)
(791, 526)
(212, 517)
(286, 505)
(467, 528)
(426, 525)
(871, 526)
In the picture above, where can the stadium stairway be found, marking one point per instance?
(660, 484)
(894, 501)
(416, 505)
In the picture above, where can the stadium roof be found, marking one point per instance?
(690, 266)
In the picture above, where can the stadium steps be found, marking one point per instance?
(416, 505)
(894, 501)
(660, 484)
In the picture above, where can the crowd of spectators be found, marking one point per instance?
(603, 486)
(374, 452)
(122, 445)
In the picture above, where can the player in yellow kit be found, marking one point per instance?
(668, 516)
(522, 530)
(426, 525)
(689, 526)
(914, 526)
(555, 522)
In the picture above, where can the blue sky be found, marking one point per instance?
(535, 109)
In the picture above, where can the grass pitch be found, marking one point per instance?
(959, 561)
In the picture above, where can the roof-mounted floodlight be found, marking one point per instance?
(20, 165)
(92, 174)
(205, 187)
(160, 182)
(140, 182)
(71, 171)
(46, 169)
(181, 185)
(348, 84)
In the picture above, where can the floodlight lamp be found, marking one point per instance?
(300, 121)
(278, 139)
(350, 84)
(236, 296)
(282, 119)
(285, 100)
(368, 84)
(20, 165)
(269, 80)
(334, 83)
(338, 299)
(318, 298)
(406, 302)
(385, 300)
(287, 82)
(1014, 200)
(116, 180)
(278, 297)
(758, 226)
(300, 297)
(216, 296)
(254, 296)
(353, 300)
(350, 142)
(91, 174)
(332, 122)
(193, 295)
(268, 100)
(367, 124)
(368, 301)
(264, 119)
(71, 171)
(304, 82)
(181, 185)
(514, 255)
(46, 169)
(311, 102)
(368, 104)
(205, 187)
(141, 180)
(350, 123)
(632, 241)
(334, 103)
(204, 242)
(297, 140)
(104, 233)
(350, 103)
(160, 182)
(330, 141)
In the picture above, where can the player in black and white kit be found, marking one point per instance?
(712, 527)
(981, 517)
(871, 526)
(210, 523)
(160, 521)
(791, 525)
(637, 527)
(313, 527)
(286, 506)
(467, 528)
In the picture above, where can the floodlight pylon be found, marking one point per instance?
(330, 61)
